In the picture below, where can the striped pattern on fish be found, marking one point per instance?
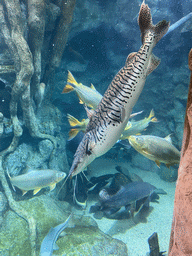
(112, 114)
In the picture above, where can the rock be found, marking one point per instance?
(45, 148)
(143, 163)
(16, 161)
(3, 203)
(181, 92)
(83, 239)
(14, 236)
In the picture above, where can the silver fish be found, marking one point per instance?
(37, 179)
(48, 244)
(112, 114)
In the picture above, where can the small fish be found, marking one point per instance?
(160, 150)
(37, 179)
(136, 127)
(49, 242)
(87, 95)
(113, 112)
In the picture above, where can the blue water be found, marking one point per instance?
(101, 36)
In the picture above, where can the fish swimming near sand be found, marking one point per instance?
(37, 179)
(87, 95)
(127, 194)
(112, 114)
(136, 127)
(49, 242)
(160, 150)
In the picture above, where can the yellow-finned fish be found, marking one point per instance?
(87, 95)
(136, 127)
(160, 150)
(78, 126)
(112, 114)
(37, 179)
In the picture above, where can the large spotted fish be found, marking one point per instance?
(112, 114)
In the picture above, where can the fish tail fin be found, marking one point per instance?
(71, 82)
(73, 133)
(152, 117)
(154, 120)
(146, 24)
(73, 121)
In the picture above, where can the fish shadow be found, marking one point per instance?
(121, 226)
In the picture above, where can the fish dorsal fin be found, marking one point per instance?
(130, 57)
(153, 64)
(36, 191)
(168, 138)
(93, 87)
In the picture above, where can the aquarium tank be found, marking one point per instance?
(93, 97)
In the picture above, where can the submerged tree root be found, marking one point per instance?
(27, 67)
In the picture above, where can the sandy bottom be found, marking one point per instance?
(135, 232)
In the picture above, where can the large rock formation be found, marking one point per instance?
(181, 234)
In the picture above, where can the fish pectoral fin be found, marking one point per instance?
(128, 126)
(130, 57)
(80, 101)
(157, 163)
(52, 186)
(153, 64)
(36, 191)
(55, 247)
(144, 150)
(89, 147)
